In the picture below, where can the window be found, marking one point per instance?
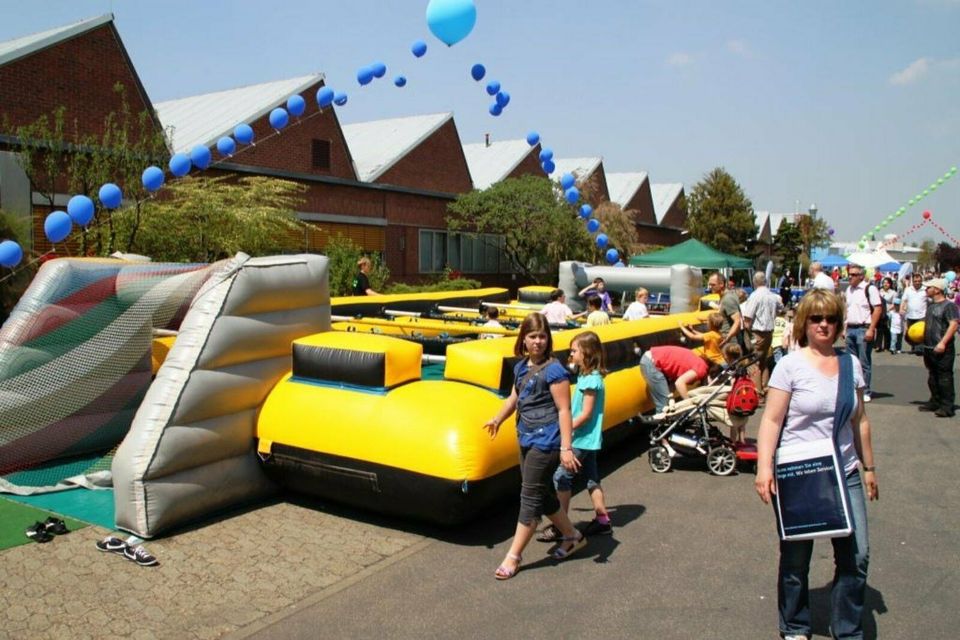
(320, 154)
(465, 252)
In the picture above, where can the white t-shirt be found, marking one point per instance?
(491, 323)
(823, 281)
(557, 312)
(762, 307)
(916, 303)
(636, 311)
(813, 402)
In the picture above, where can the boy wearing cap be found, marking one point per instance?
(940, 325)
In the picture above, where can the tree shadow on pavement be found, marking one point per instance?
(820, 611)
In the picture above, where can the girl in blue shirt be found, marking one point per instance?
(541, 398)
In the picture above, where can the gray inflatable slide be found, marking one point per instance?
(190, 450)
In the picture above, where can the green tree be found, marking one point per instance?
(927, 259)
(721, 215)
(621, 228)
(14, 283)
(202, 219)
(795, 241)
(947, 257)
(343, 254)
(539, 230)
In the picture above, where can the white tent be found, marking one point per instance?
(870, 259)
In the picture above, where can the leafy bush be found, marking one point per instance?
(343, 254)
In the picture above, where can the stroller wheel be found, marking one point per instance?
(721, 460)
(659, 458)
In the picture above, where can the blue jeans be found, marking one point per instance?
(851, 555)
(563, 479)
(857, 344)
(657, 385)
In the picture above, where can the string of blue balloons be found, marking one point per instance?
(449, 20)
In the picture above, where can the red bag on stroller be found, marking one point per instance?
(743, 399)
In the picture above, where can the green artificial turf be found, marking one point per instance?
(15, 517)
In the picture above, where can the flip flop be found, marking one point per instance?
(504, 572)
(56, 526)
(38, 533)
(561, 553)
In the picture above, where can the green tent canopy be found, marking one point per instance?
(694, 253)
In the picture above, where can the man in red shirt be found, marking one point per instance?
(666, 364)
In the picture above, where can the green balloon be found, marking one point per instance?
(939, 181)
(911, 201)
(933, 187)
(925, 193)
(902, 210)
(947, 175)
(953, 169)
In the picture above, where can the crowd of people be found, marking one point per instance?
(802, 349)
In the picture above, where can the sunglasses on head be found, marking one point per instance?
(818, 318)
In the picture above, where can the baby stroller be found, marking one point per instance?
(689, 428)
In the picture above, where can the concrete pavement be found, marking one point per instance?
(692, 556)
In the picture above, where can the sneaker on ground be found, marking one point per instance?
(596, 528)
(112, 544)
(139, 555)
(866, 397)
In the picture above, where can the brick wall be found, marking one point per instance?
(437, 164)
(642, 203)
(530, 165)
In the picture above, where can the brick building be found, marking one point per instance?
(670, 208)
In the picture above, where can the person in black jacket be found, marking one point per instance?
(361, 283)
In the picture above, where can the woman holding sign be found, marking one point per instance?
(816, 394)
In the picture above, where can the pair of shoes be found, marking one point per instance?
(550, 534)
(569, 546)
(139, 555)
(597, 528)
(504, 572)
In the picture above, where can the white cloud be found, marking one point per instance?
(915, 71)
(680, 59)
(923, 67)
(738, 47)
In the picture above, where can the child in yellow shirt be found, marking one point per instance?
(711, 339)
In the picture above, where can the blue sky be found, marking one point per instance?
(852, 105)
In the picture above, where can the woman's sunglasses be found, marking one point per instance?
(817, 319)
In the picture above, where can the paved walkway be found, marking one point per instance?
(692, 556)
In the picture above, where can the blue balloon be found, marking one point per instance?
(593, 225)
(200, 156)
(950, 276)
(379, 69)
(279, 118)
(152, 179)
(179, 165)
(10, 254)
(601, 240)
(567, 180)
(226, 146)
(340, 99)
(493, 87)
(495, 109)
(619, 264)
(400, 81)
(533, 138)
(418, 48)
(546, 154)
(451, 20)
(80, 210)
(503, 98)
(110, 195)
(548, 166)
(477, 72)
(57, 226)
(243, 133)
(296, 105)
(572, 195)
(325, 97)
(364, 75)
(586, 211)
(613, 256)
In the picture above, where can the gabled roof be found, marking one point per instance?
(581, 168)
(762, 219)
(776, 219)
(203, 119)
(492, 163)
(379, 144)
(25, 45)
(623, 186)
(664, 195)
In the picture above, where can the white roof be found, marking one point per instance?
(623, 186)
(205, 118)
(25, 45)
(581, 168)
(776, 219)
(664, 195)
(379, 144)
(491, 164)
